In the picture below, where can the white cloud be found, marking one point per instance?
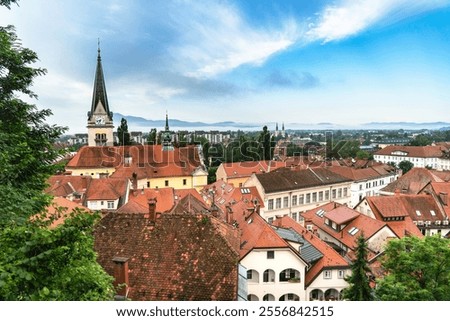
(350, 17)
(216, 39)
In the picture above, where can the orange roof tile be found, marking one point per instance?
(144, 160)
(330, 259)
(412, 182)
(67, 207)
(414, 151)
(138, 200)
(107, 189)
(351, 219)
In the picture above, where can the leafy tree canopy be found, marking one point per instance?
(26, 141)
(416, 269)
(123, 134)
(405, 166)
(42, 263)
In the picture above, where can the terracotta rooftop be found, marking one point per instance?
(246, 169)
(362, 174)
(442, 190)
(65, 185)
(413, 151)
(256, 233)
(287, 179)
(182, 257)
(138, 200)
(412, 182)
(61, 207)
(107, 189)
(402, 206)
(342, 215)
(330, 258)
(144, 160)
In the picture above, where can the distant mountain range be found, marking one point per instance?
(143, 124)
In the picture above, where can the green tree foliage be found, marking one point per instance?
(420, 140)
(405, 166)
(267, 144)
(416, 269)
(36, 262)
(42, 263)
(26, 141)
(359, 282)
(123, 134)
(152, 137)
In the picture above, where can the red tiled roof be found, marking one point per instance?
(181, 258)
(61, 206)
(146, 160)
(246, 169)
(334, 211)
(341, 214)
(414, 151)
(256, 233)
(138, 200)
(361, 174)
(64, 185)
(412, 182)
(442, 189)
(107, 189)
(330, 259)
(384, 207)
(286, 179)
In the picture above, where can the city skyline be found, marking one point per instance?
(342, 62)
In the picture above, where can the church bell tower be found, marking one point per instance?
(100, 120)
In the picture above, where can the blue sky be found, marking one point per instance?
(347, 62)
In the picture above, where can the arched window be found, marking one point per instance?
(269, 276)
(289, 275)
(268, 297)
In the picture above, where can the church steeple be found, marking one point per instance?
(100, 118)
(166, 128)
(99, 94)
(167, 136)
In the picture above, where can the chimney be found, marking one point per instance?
(444, 198)
(134, 181)
(152, 210)
(121, 277)
(230, 216)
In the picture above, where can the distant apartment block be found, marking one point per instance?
(435, 157)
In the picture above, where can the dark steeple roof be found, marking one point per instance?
(99, 94)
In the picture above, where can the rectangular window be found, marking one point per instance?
(294, 216)
(102, 203)
(314, 197)
(166, 183)
(270, 254)
(110, 204)
(278, 203)
(327, 195)
(294, 200)
(301, 199)
(345, 191)
(340, 193)
(333, 194)
(327, 274)
(184, 181)
(286, 202)
(320, 196)
(360, 187)
(148, 184)
(249, 274)
(341, 274)
(270, 204)
(308, 198)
